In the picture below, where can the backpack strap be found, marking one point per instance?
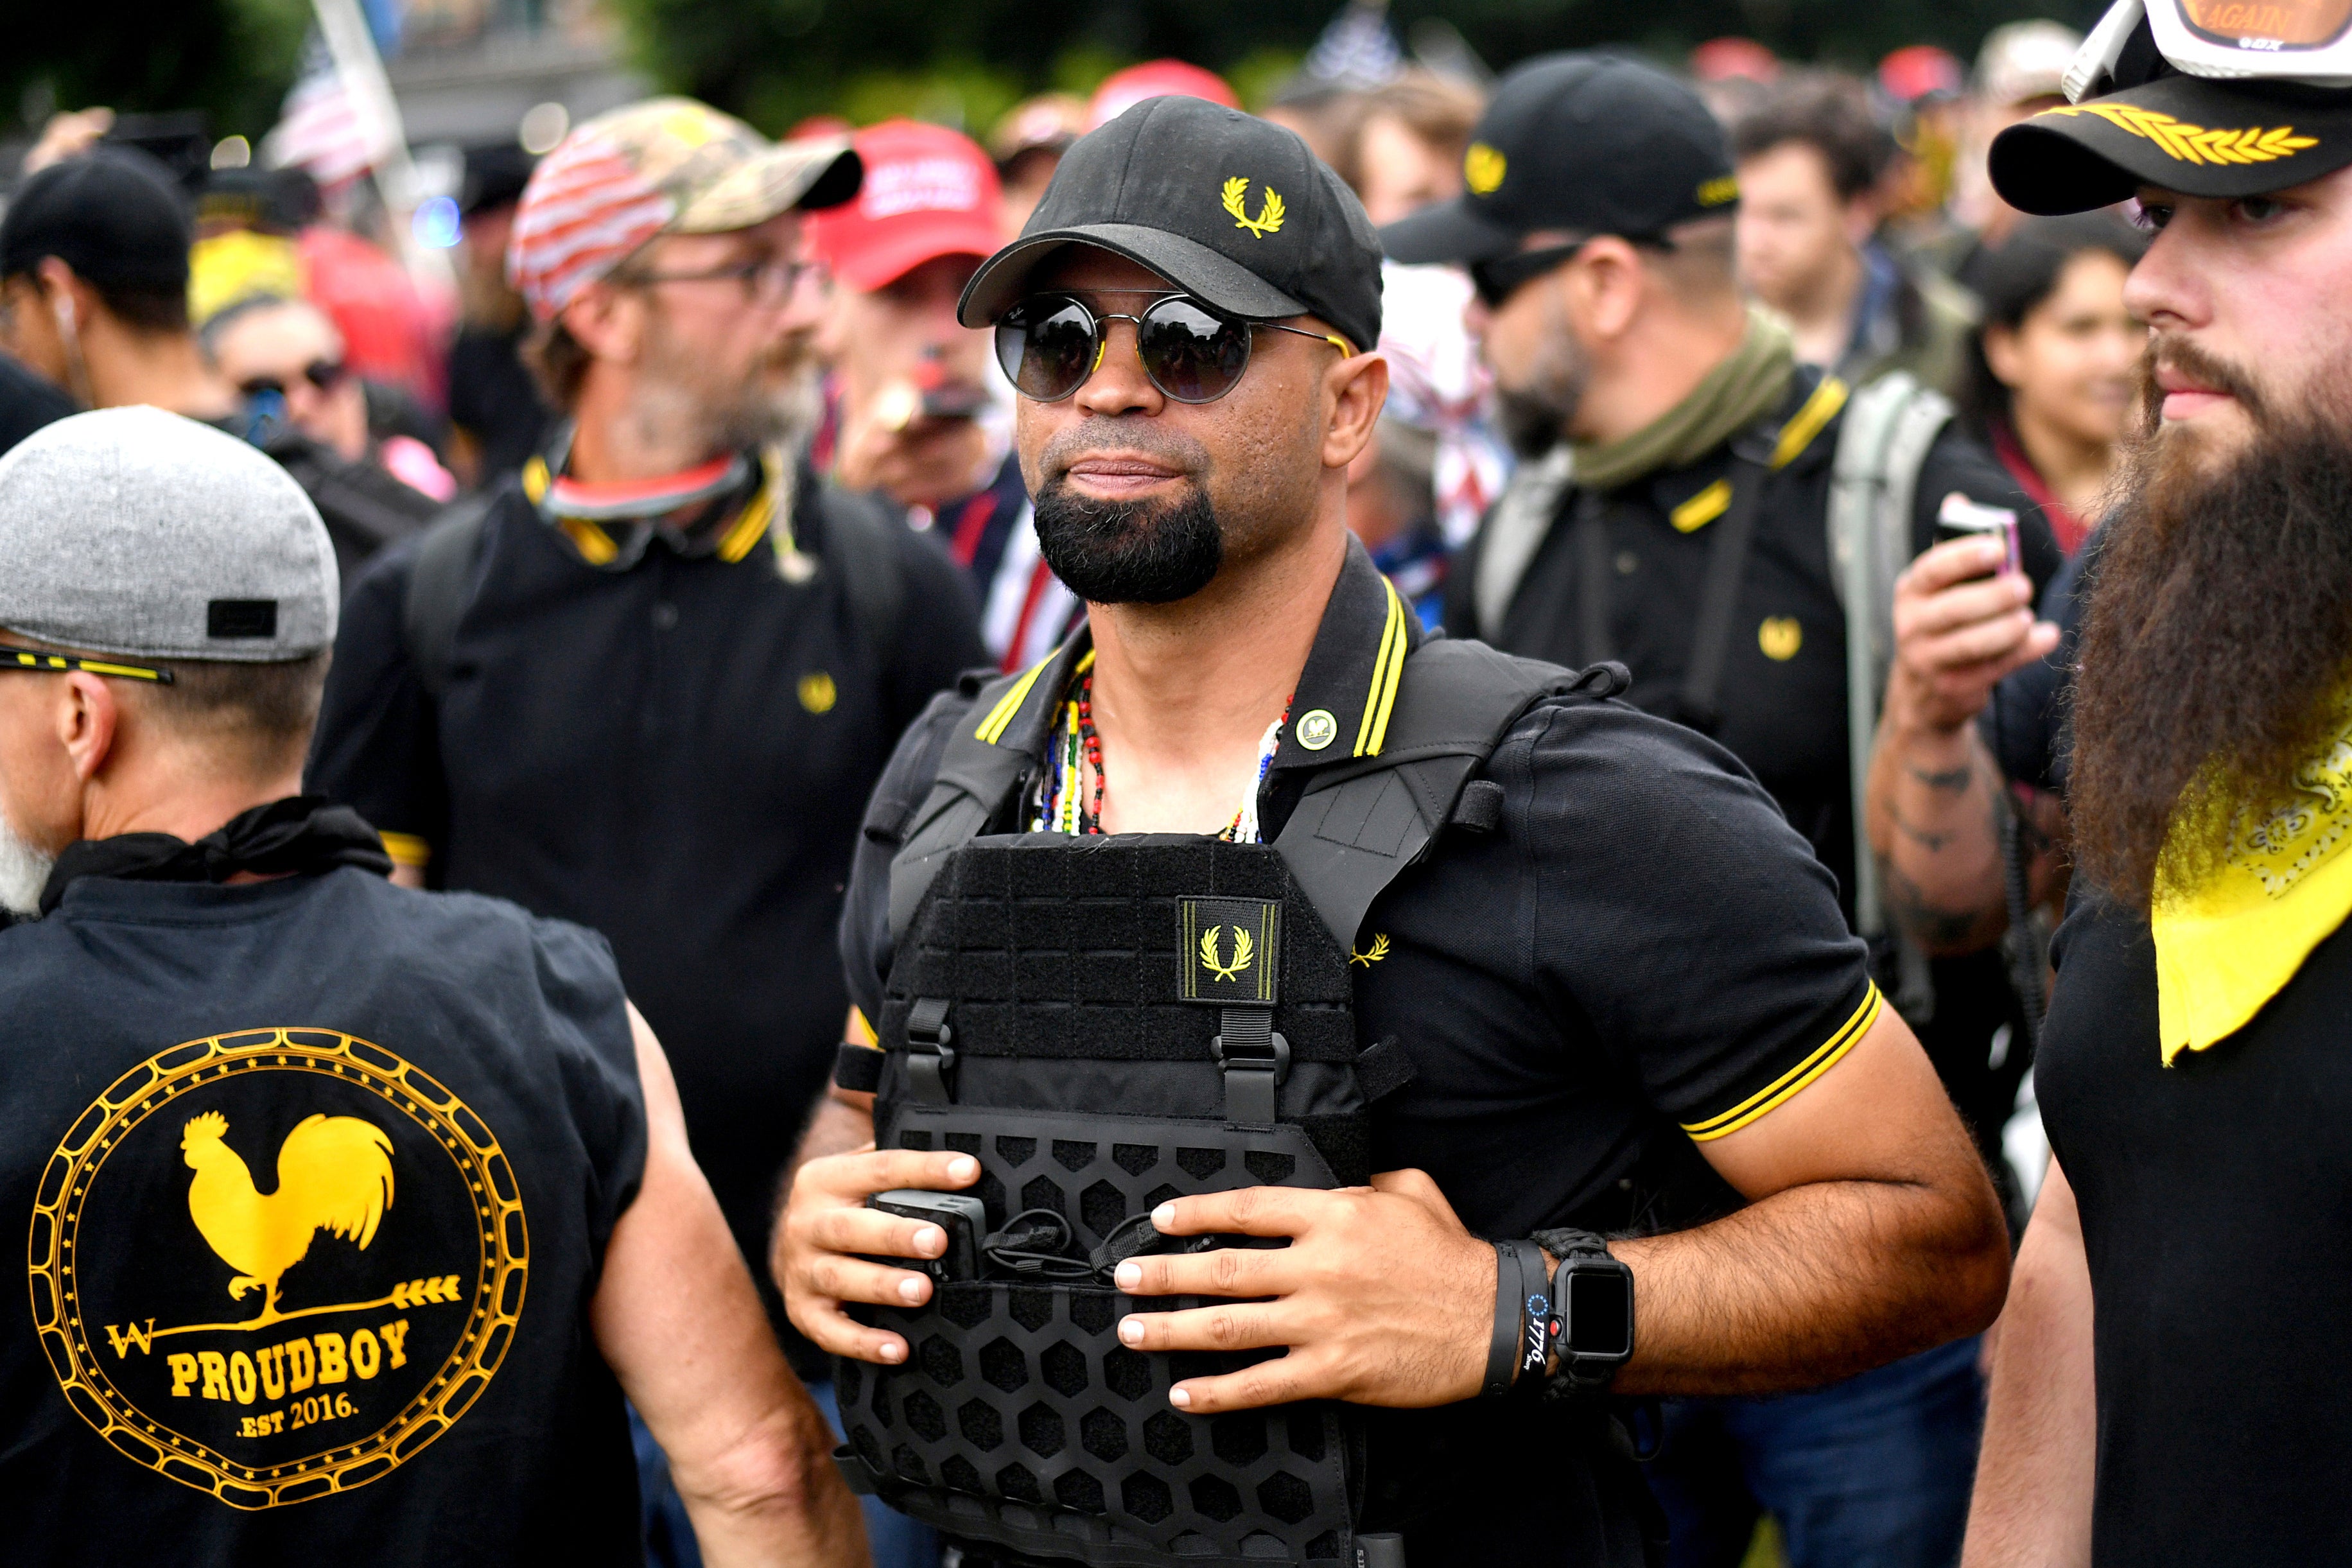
(1890, 426)
(1359, 825)
(440, 585)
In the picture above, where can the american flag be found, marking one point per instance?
(1357, 50)
(326, 128)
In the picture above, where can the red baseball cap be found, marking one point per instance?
(1122, 91)
(930, 192)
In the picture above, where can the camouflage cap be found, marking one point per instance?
(668, 165)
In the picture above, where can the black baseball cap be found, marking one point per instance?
(2186, 133)
(1231, 209)
(110, 213)
(1592, 143)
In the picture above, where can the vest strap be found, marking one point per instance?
(1255, 1060)
(931, 1057)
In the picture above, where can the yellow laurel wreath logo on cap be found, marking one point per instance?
(2187, 143)
(1721, 189)
(1269, 211)
(1482, 168)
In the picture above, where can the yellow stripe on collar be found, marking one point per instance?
(1388, 668)
(1806, 423)
(595, 545)
(1702, 508)
(992, 727)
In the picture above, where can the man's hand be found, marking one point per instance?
(826, 1224)
(1382, 1297)
(1957, 632)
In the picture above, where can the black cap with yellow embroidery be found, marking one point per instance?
(2183, 134)
(1230, 208)
(1585, 144)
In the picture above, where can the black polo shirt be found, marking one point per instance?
(1642, 955)
(2213, 1206)
(675, 755)
(1782, 699)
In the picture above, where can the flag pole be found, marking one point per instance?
(351, 46)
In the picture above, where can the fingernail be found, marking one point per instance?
(962, 1169)
(1181, 1398)
(1130, 1332)
(1163, 1217)
(1129, 1274)
(931, 1241)
(910, 1289)
(894, 1350)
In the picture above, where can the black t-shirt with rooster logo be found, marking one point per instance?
(314, 1177)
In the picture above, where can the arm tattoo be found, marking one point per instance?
(1934, 926)
(1932, 842)
(1952, 779)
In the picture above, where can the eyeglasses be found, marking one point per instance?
(1498, 277)
(326, 374)
(1050, 343)
(36, 663)
(767, 281)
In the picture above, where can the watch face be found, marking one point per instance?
(1599, 1313)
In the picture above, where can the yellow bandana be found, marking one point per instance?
(2225, 947)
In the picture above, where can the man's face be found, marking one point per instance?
(38, 806)
(728, 355)
(1792, 228)
(1140, 498)
(2247, 310)
(293, 349)
(907, 329)
(1541, 366)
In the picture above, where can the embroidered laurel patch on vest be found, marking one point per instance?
(1230, 948)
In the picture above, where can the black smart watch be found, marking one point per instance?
(1591, 1312)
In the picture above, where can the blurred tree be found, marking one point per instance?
(776, 60)
(233, 58)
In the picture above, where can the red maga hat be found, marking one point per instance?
(928, 191)
(1122, 91)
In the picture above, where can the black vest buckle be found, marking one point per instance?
(1255, 1061)
(930, 1059)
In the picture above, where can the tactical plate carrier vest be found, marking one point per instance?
(1104, 1023)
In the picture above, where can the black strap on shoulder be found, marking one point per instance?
(1718, 604)
(976, 781)
(859, 545)
(1358, 825)
(440, 585)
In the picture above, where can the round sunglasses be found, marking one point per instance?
(1050, 343)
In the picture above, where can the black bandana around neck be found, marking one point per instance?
(302, 835)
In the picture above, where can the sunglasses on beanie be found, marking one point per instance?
(1050, 343)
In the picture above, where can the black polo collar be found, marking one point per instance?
(1345, 697)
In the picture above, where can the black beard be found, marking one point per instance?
(2218, 631)
(1129, 552)
(1531, 422)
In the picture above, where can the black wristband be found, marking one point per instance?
(1502, 1352)
(1534, 1313)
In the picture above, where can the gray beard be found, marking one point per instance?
(23, 872)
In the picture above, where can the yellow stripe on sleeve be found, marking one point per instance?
(1388, 668)
(406, 849)
(1780, 1090)
(1806, 423)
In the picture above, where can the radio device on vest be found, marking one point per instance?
(1107, 1023)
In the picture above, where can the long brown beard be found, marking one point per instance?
(2219, 631)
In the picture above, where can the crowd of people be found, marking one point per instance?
(845, 752)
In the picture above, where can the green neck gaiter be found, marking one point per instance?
(1744, 388)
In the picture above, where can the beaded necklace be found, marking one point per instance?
(1073, 760)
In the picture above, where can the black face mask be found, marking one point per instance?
(1129, 552)
(302, 835)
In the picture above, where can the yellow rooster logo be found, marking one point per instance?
(334, 1174)
(1269, 212)
(1243, 951)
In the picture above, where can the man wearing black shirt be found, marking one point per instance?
(673, 665)
(1674, 515)
(351, 1213)
(2168, 1381)
(1632, 1006)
